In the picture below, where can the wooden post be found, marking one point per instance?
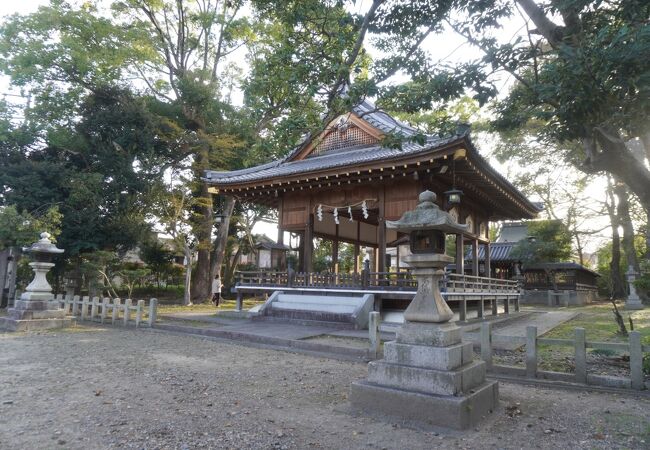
(506, 305)
(75, 305)
(280, 240)
(373, 334)
(486, 344)
(309, 245)
(636, 360)
(460, 254)
(138, 313)
(102, 317)
(480, 307)
(356, 257)
(127, 311)
(495, 305)
(116, 310)
(580, 356)
(531, 352)
(239, 302)
(462, 312)
(475, 258)
(94, 307)
(381, 233)
(488, 261)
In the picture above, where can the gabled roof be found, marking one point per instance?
(352, 144)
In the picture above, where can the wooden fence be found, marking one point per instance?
(101, 310)
(580, 345)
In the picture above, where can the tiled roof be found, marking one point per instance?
(499, 251)
(338, 158)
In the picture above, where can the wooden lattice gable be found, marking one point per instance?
(346, 131)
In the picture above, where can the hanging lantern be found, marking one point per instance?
(453, 196)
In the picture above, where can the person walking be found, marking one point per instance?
(216, 291)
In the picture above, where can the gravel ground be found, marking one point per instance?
(88, 388)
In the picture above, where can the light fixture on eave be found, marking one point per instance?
(453, 195)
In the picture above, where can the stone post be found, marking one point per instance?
(633, 301)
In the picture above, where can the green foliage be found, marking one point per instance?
(23, 228)
(604, 256)
(552, 243)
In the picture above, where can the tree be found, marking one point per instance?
(551, 243)
(23, 229)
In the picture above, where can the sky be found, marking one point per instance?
(445, 48)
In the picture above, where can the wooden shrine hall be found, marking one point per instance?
(344, 184)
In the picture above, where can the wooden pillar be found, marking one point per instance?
(356, 258)
(460, 254)
(301, 253)
(381, 234)
(335, 251)
(488, 261)
(309, 244)
(280, 240)
(475, 257)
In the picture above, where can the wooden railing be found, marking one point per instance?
(456, 288)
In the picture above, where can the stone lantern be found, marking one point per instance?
(36, 308)
(633, 301)
(428, 374)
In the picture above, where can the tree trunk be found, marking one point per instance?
(616, 159)
(202, 286)
(618, 289)
(222, 238)
(623, 212)
(187, 298)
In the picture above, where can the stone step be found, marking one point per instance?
(338, 309)
(324, 299)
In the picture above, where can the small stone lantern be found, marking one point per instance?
(36, 308)
(428, 375)
(633, 301)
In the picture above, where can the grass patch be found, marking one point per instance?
(600, 326)
(207, 308)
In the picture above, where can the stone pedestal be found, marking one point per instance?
(428, 376)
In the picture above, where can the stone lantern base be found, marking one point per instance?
(36, 309)
(28, 315)
(428, 376)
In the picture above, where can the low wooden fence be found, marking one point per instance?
(580, 345)
(102, 310)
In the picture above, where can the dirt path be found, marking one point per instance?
(91, 388)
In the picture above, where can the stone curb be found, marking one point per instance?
(283, 343)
